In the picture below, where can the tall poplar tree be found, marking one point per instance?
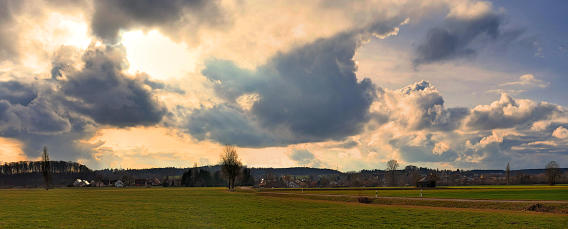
(46, 168)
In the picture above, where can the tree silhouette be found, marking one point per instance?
(508, 172)
(392, 165)
(230, 165)
(246, 177)
(46, 168)
(412, 174)
(552, 172)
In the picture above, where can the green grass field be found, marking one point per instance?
(216, 208)
(463, 192)
(559, 186)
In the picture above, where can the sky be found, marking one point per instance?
(347, 85)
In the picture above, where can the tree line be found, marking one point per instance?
(56, 167)
(200, 177)
(231, 174)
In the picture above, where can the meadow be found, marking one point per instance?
(216, 208)
(532, 192)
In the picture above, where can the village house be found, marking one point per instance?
(118, 184)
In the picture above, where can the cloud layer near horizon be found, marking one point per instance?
(289, 88)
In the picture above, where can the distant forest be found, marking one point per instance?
(28, 174)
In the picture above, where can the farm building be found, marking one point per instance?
(426, 182)
(80, 183)
(118, 184)
(97, 184)
(140, 182)
(147, 182)
(155, 181)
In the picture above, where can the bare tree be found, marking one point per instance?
(412, 174)
(230, 165)
(46, 168)
(552, 172)
(508, 172)
(392, 165)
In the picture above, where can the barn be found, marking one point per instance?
(426, 182)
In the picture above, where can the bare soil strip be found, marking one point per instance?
(556, 207)
(435, 199)
(406, 206)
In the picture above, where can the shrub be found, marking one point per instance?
(364, 200)
(538, 207)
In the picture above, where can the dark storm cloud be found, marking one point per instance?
(30, 108)
(34, 114)
(44, 121)
(309, 94)
(64, 145)
(16, 92)
(60, 111)
(315, 91)
(456, 37)
(111, 16)
(228, 125)
(234, 81)
(102, 92)
(304, 158)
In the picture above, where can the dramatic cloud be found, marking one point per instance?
(34, 114)
(228, 125)
(412, 125)
(457, 37)
(423, 148)
(111, 16)
(508, 113)
(288, 90)
(560, 132)
(417, 106)
(104, 93)
(62, 110)
(15, 92)
(308, 94)
(304, 158)
(25, 108)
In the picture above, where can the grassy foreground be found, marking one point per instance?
(215, 208)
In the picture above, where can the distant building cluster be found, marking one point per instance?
(115, 183)
(410, 176)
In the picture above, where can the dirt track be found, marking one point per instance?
(426, 198)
